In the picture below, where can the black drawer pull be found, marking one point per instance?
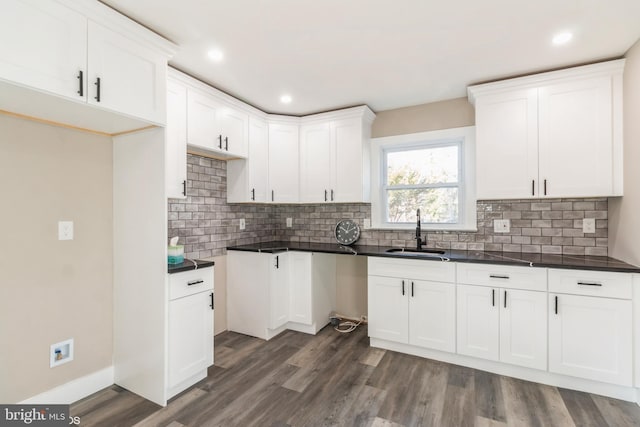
(195, 282)
(98, 84)
(325, 195)
(412, 289)
(403, 287)
(589, 284)
(253, 194)
(184, 187)
(332, 195)
(226, 143)
(81, 85)
(505, 299)
(533, 187)
(498, 276)
(211, 305)
(493, 297)
(556, 304)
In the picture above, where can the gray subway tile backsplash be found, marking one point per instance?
(207, 224)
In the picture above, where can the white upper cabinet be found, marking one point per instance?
(334, 156)
(125, 76)
(557, 134)
(45, 46)
(283, 163)
(316, 153)
(176, 140)
(83, 52)
(246, 178)
(202, 121)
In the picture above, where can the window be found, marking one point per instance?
(430, 171)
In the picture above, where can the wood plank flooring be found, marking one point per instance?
(336, 379)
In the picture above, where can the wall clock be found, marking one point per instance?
(347, 232)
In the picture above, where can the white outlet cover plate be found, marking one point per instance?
(289, 222)
(501, 225)
(242, 224)
(65, 230)
(589, 225)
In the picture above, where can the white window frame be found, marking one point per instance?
(465, 137)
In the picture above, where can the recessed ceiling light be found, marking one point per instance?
(215, 55)
(285, 99)
(562, 38)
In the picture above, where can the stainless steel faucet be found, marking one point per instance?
(419, 241)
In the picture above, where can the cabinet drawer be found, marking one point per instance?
(436, 271)
(190, 282)
(593, 283)
(502, 276)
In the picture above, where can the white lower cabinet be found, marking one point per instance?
(502, 314)
(591, 336)
(412, 311)
(507, 325)
(299, 288)
(190, 331)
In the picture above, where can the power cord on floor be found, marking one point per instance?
(346, 326)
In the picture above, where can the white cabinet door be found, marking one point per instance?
(300, 287)
(279, 291)
(125, 76)
(315, 163)
(432, 315)
(575, 121)
(507, 145)
(348, 161)
(591, 338)
(203, 129)
(283, 163)
(523, 328)
(478, 322)
(44, 46)
(190, 336)
(176, 140)
(388, 309)
(258, 160)
(234, 125)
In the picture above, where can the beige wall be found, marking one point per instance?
(448, 114)
(624, 223)
(52, 290)
(351, 272)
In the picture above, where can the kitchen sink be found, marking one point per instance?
(415, 252)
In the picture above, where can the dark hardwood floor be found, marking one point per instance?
(334, 379)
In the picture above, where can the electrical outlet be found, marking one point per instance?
(589, 225)
(65, 230)
(289, 222)
(501, 225)
(242, 224)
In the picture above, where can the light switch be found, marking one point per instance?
(65, 230)
(501, 225)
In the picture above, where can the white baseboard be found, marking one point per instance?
(74, 390)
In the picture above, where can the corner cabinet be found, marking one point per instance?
(285, 290)
(530, 129)
(86, 53)
(176, 140)
(284, 171)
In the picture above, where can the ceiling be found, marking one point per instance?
(328, 54)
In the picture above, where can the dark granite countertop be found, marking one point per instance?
(188, 265)
(506, 258)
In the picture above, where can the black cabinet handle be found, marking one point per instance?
(226, 143)
(81, 83)
(332, 195)
(589, 284)
(403, 287)
(253, 194)
(498, 276)
(220, 142)
(325, 195)
(533, 187)
(412, 289)
(272, 195)
(194, 282)
(545, 187)
(211, 305)
(277, 261)
(184, 187)
(97, 83)
(493, 297)
(556, 309)
(505, 299)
